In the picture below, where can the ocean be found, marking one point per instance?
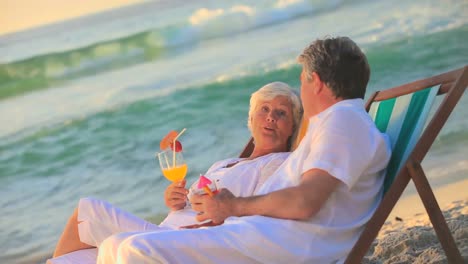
(84, 103)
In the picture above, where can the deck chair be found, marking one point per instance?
(402, 112)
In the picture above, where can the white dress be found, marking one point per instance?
(100, 219)
(341, 140)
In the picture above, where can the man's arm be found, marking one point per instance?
(298, 203)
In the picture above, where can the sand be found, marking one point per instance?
(411, 238)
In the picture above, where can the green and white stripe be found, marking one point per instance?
(402, 119)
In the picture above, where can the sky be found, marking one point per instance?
(17, 15)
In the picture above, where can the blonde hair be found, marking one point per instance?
(269, 92)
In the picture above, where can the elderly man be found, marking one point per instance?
(313, 208)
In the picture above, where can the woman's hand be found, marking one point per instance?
(175, 195)
(216, 208)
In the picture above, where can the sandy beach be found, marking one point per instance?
(411, 238)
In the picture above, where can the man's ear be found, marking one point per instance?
(317, 83)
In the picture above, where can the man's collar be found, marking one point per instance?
(354, 103)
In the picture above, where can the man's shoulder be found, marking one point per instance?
(346, 116)
(343, 109)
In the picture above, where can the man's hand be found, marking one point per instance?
(175, 195)
(299, 202)
(216, 208)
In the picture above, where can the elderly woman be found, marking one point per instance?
(274, 115)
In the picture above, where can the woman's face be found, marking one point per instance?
(272, 124)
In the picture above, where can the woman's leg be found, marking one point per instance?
(108, 248)
(70, 240)
(95, 220)
(220, 244)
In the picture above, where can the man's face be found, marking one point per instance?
(307, 95)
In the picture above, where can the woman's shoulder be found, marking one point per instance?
(224, 162)
(276, 156)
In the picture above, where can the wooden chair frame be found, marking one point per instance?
(451, 84)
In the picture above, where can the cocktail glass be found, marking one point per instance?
(172, 165)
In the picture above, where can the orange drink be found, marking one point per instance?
(172, 165)
(175, 174)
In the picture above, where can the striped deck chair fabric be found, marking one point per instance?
(402, 119)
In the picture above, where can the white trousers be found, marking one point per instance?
(253, 239)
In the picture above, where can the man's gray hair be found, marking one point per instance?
(340, 64)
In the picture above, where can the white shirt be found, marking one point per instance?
(343, 141)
